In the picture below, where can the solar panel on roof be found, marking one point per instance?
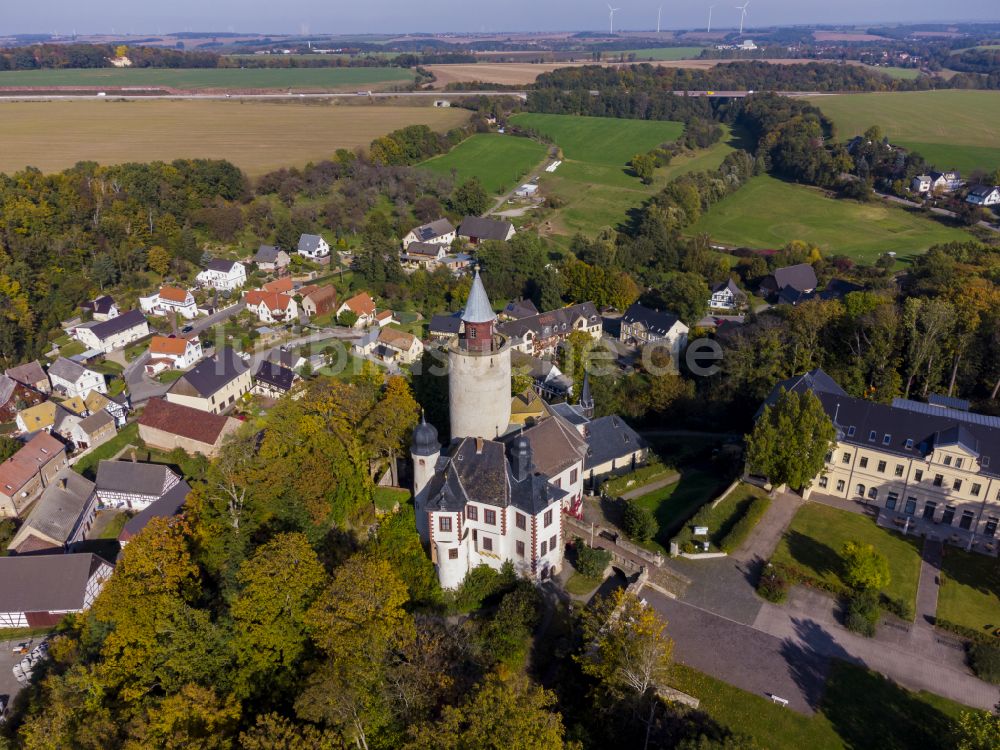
(940, 411)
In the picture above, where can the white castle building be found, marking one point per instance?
(496, 493)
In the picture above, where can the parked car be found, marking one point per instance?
(187, 329)
(22, 648)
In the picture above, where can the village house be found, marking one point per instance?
(178, 353)
(116, 333)
(279, 286)
(14, 397)
(70, 379)
(518, 309)
(426, 255)
(271, 307)
(318, 300)
(945, 182)
(27, 472)
(117, 406)
(272, 380)
(921, 184)
(63, 516)
(366, 344)
(474, 230)
(76, 405)
(398, 346)
(726, 296)
(271, 259)
(542, 334)
(48, 416)
(363, 306)
(165, 426)
(223, 275)
(384, 318)
(642, 326)
(133, 484)
(932, 465)
(213, 385)
(101, 309)
(445, 326)
(438, 232)
(32, 375)
(789, 285)
(168, 506)
(984, 195)
(548, 381)
(38, 591)
(93, 430)
(170, 299)
(313, 246)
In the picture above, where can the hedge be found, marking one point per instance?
(794, 574)
(964, 631)
(742, 528)
(635, 479)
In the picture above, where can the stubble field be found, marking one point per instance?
(258, 136)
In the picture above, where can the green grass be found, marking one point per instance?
(970, 590)
(107, 367)
(859, 709)
(71, 349)
(951, 128)
(87, 465)
(581, 585)
(721, 519)
(114, 527)
(903, 74)
(817, 534)
(499, 161)
(170, 376)
(672, 505)
(386, 498)
(658, 53)
(637, 479)
(769, 213)
(208, 78)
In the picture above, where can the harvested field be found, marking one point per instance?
(257, 136)
(836, 36)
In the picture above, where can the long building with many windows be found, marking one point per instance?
(937, 462)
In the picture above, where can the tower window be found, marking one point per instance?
(453, 553)
(472, 513)
(520, 521)
(490, 517)
(444, 523)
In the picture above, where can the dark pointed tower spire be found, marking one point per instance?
(586, 398)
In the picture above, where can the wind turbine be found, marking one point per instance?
(743, 14)
(710, 9)
(611, 18)
(658, 14)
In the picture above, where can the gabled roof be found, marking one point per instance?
(727, 285)
(96, 401)
(221, 265)
(185, 421)
(59, 509)
(123, 322)
(361, 304)
(555, 445)
(271, 300)
(67, 369)
(309, 243)
(397, 339)
(656, 321)
(801, 277)
(166, 507)
(165, 345)
(134, 477)
(520, 308)
(478, 308)
(428, 249)
(100, 306)
(174, 294)
(282, 286)
(275, 375)
(266, 254)
(554, 322)
(76, 405)
(982, 191)
(7, 387)
(484, 229)
(446, 323)
(433, 229)
(610, 438)
(321, 294)
(46, 583)
(29, 373)
(211, 375)
(96, 422)
(23, 465)
(959, 435)
(41, 416)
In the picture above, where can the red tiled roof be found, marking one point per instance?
(173, 293)
(23, 465)
(272, 300)
(165, 345)
(178, 419)
(282, 286)
(361, 304)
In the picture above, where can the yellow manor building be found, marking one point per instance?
(937, 462)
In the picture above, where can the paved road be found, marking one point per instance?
(938, 211)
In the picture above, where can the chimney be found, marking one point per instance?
(62, 483)
(479, 446)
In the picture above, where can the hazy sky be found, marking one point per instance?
(345, 16)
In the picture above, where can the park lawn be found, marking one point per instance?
(970, 590)
(581, 585)
(234, 79)
(903, 74)
(672, 505)
(859, 709)
(817, 534)
(596, 195)
(721, 519)
(87, 465)
(498, 161)
(968, 138)
(658, 53)
(768, 213)
(386, 498)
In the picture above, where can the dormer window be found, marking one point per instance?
(886, 439)
(958, 463)
(872, 435)
(984, 461)
(851, 430)
(947, 460)
(909, 444)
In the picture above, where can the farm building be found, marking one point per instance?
(25, 474)
(63, 516)
(133, 484)
(37, 591)
(166, 426)
(475, 230)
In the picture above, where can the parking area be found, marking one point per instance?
(9, 686)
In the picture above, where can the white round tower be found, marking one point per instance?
(424, 452)
(479, 372)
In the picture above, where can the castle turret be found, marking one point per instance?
(425, 451)
(586, 398)
(479, 372)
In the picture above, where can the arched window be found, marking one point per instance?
(872, 493)
(860, 490)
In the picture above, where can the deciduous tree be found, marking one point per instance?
(790, 440)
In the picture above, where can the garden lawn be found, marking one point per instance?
(967, 138)
(87, 465)
(721, 519)
(580, 585)
(672, 505)
(768, 213)
(386, 498)
(499, 161)
(860, 709)
(970, 590)
(817, 534)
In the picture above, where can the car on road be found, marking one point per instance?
(22, 648)
(187, 329)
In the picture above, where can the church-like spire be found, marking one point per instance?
(586, 398)
(478, 308)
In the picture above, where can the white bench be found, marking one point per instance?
(783, 702)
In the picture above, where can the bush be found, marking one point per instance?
(901, 609)
(641, 476)
(638, 522)
(590, 562)
(773, 585)
(984, 658)
(742, 528)
(481, 583)
(964, 631)
(863, 612)
(864, 567)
